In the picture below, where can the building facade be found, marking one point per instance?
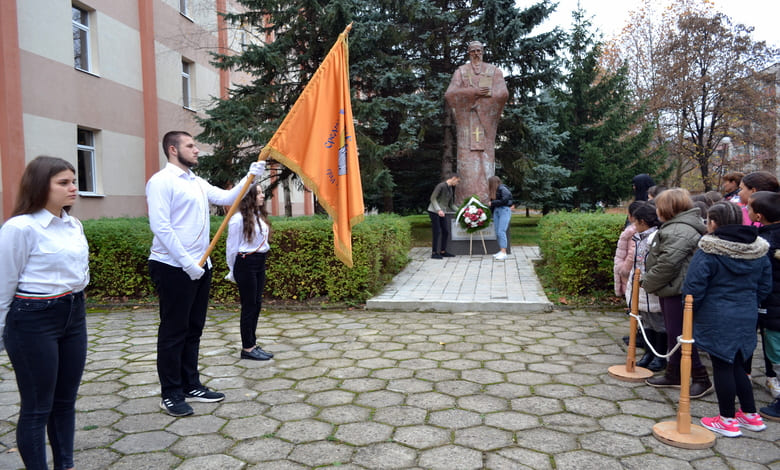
(757, 145)
(99, 82)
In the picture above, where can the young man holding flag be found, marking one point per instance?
(179, 217)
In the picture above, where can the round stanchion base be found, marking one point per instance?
(638, 375)
(699, 438)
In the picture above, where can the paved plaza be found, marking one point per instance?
(388, 389)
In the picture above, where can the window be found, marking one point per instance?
(85, 141)
(81, 39)
(186, 80)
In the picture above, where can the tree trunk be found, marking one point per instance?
(287, 197)
(448, 143)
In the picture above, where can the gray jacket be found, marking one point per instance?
(443, 198)
(671, 252)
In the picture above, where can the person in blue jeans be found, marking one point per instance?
(501, 207)
(44, 272)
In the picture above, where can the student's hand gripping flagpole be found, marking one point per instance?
(270, 150)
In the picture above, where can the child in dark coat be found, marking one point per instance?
(764, 208)
(728, 276)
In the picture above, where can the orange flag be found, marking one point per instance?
(316, 140)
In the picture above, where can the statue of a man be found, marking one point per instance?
(476, 95)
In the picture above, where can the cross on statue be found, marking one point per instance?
(476, 134)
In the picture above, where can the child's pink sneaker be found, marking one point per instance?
(750, 421)
(728, 427)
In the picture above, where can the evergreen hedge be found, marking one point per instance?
(300, 266)
(578, 250)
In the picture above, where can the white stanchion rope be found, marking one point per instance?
(680, 340)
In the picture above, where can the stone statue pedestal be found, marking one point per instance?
(459, 240)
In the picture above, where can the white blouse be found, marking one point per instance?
(236, 243)
(41, 254)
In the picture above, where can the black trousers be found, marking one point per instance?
(249, 271)
(47, 345)
(441, 232)
(731, 381)
(183, 305)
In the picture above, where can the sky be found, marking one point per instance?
(609, 16)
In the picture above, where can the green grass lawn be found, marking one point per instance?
(522, 230)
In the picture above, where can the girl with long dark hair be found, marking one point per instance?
(247, 247)
(44, 272)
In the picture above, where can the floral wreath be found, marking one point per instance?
(472, 215)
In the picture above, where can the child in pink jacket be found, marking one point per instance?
(624, 254)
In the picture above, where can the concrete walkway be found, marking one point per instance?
(368, 389)
(466, 284)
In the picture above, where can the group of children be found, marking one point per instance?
(729, 262)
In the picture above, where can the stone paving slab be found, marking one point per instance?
(465, 283)
(365, 389)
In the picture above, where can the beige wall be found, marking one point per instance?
(119, 51)
(57, 98)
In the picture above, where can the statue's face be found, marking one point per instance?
(475, 53)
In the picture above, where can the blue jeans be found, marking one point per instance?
(249, 271)
(46, 341)
(183, 305)
(501, 217)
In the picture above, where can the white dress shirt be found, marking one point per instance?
(41, 254)
(179, 214)
(237, 243)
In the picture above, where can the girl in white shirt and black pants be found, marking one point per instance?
(43, 274)
(247, 246)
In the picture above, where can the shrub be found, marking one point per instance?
(118, 253)
(300, 265)
(578, 250)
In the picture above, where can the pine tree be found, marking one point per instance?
(607, 142)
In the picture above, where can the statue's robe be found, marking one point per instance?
(476, 120)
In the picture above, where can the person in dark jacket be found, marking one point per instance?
(764, 208)
(442, 200)
(728, 276)
(667, 262)
(641, 183)
(501, 207)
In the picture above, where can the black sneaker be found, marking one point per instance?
(436, 256)
(176, 407)
(201, 393)
(447, 254)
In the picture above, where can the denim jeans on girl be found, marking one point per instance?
(501, 217)
(46, 341)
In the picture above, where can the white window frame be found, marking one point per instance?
(86, 161)
(83, 40)
(186, 83)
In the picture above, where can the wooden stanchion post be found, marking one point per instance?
(629, 372)
(681, 433)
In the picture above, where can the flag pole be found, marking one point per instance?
(249, 180)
